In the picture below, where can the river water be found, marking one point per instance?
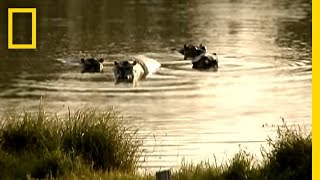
(264, 50)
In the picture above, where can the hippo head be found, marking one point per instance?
(91, 65)
(206, 61)
(192, 51)
(123, 71)
(203, 48)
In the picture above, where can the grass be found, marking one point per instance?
(93, 144)
(42, 145)
(102, 139)
(289, 158)
(242, 166)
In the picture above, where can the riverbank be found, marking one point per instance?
(100, 144)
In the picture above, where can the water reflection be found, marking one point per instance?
(265, 58)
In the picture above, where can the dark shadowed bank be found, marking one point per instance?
(98, 144)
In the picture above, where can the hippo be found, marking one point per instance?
(123, 71)
(91, 65)
(192, 50)
(132, 72)
(201, 59)
(205, 61)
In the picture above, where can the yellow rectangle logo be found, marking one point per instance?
(33, 44)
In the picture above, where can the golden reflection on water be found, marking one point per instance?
(265, 70)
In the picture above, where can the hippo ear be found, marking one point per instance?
(204, 48)
(101, 60)
(181, 51)
(184, 46)
(201, 46)
(82, 60)
(134, 62)
(116, 63)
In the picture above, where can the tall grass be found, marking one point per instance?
(42, 145)
(241, 167)
(93, 144)
(101, 138)
(29, 132)
(289, 158)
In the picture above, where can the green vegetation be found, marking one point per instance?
(40, 145)
(92, 144)
(289, 158)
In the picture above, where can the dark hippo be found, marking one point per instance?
(131, 72)
(191, 51)
(201, 59)
(91, 65)
(205, 61)
(123, 71)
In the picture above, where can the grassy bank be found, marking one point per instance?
(93, 144)
(42, 145)
(289, 158)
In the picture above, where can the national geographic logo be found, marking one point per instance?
(11, 12)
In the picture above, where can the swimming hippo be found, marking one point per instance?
(201, 59)
(91, 65)
(205, 61)
(132, 72)
(192, 50)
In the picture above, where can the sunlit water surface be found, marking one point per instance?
(265, 70)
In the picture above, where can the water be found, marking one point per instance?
(265, 69)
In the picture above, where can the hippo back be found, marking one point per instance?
(149, 65)
(205, 61)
